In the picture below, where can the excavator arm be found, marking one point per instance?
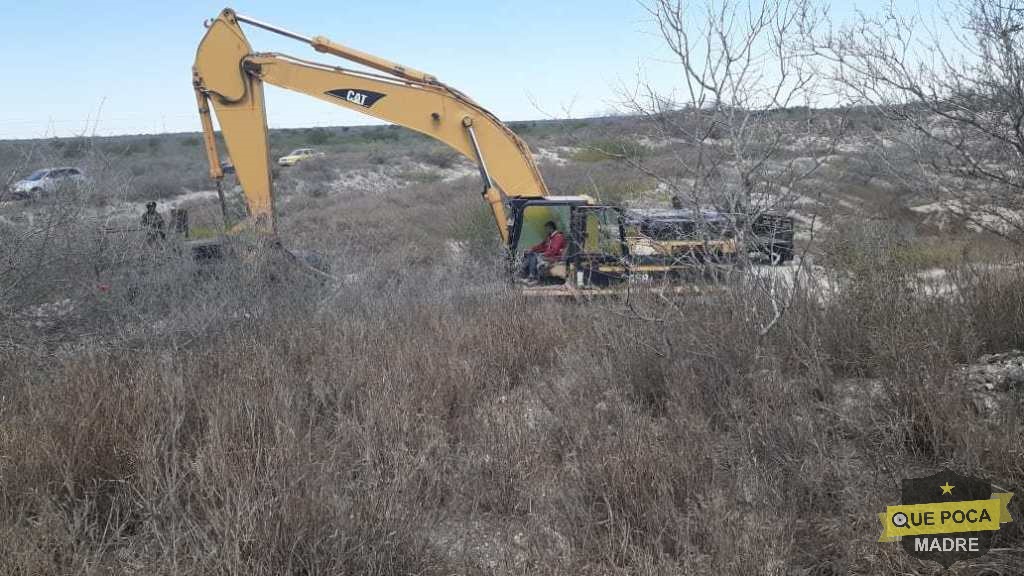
(229, 76)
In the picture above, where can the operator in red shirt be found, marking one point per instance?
(543, 256)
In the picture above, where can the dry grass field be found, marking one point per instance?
(420, 416)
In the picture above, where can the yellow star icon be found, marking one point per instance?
(947, 489)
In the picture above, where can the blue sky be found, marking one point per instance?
(124, 67)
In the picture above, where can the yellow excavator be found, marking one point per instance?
(228, 77)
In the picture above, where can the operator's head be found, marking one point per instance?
(550, 227)
(150, 206)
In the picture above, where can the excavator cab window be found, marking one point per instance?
(598, 246)
(534, 217)
(598, 231)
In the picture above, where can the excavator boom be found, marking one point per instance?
(229, 76)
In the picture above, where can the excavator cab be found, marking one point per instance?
(596, 253)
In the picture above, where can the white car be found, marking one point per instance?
(47, 180)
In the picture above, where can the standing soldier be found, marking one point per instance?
(153, 222)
